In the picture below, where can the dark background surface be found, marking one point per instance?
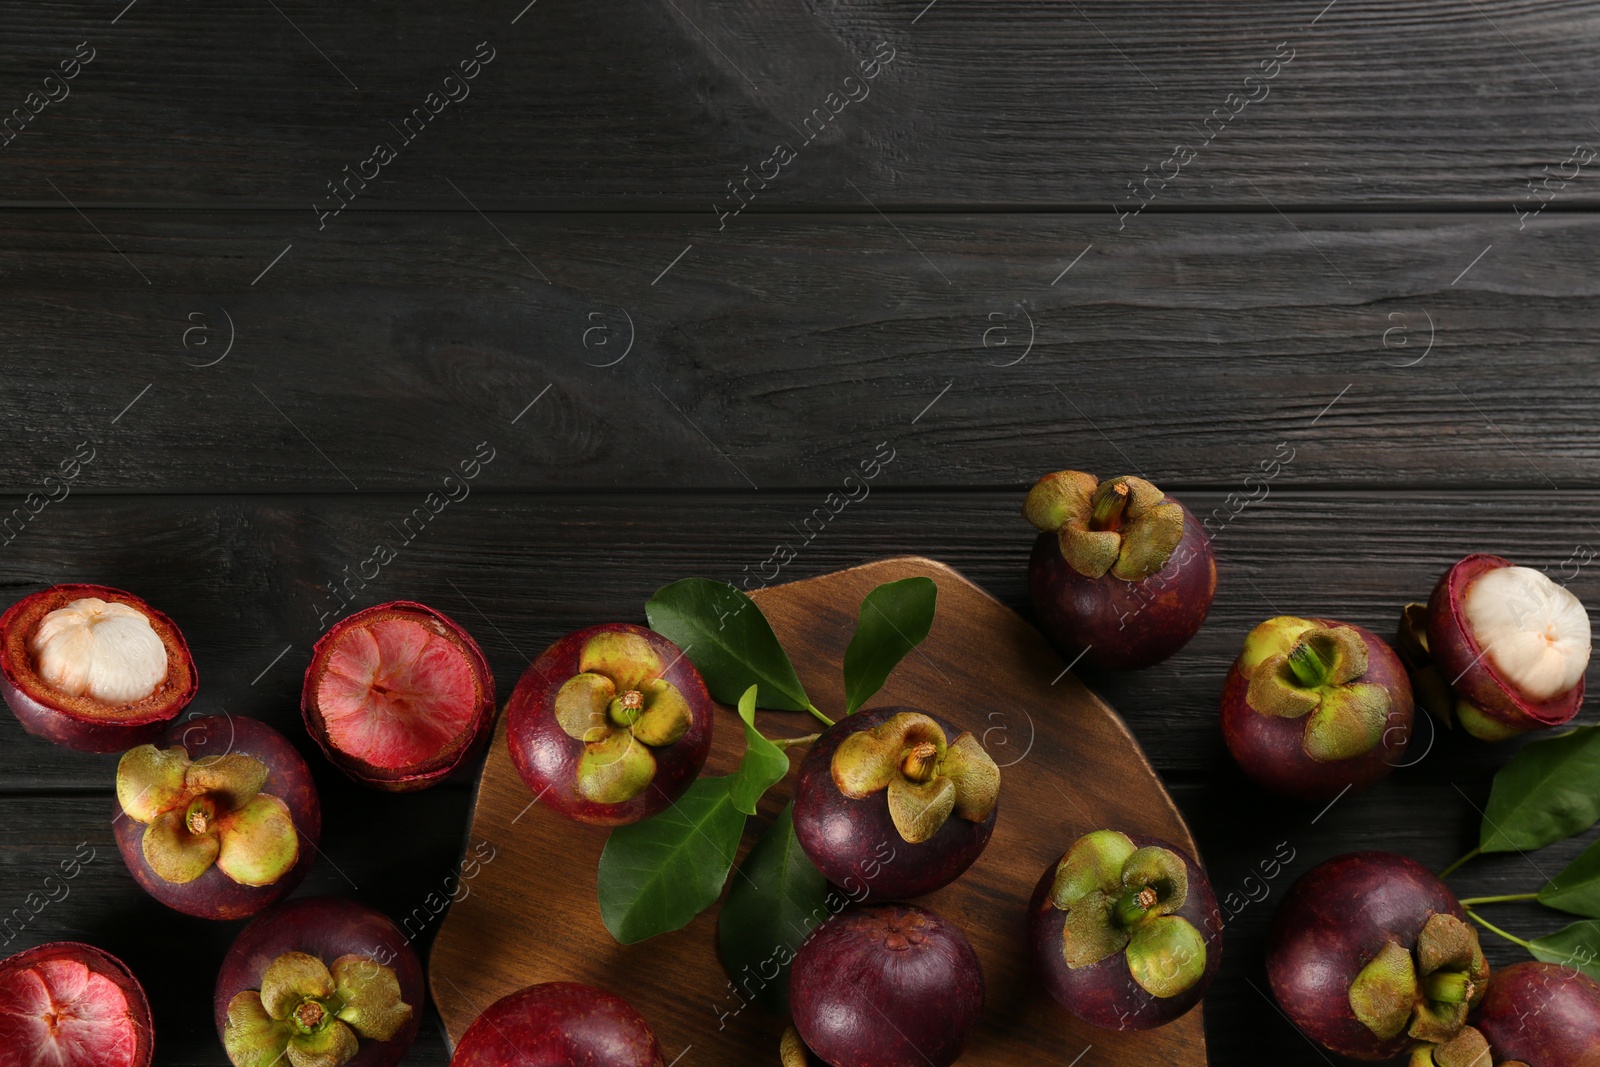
(1351, 269)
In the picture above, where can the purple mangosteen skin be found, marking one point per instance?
(1333, 921)
(214, 895)
(1459, 656)
(1268, 747)
(854, 843)
(1124, 625)
(547, 758)
(327, 928)
(1105, 994)
(1543, 1014)
(859, 1003)
(559, 1024)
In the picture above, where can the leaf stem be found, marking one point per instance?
(812, 708)
(1492, 928)
(1468, 902)
(1448, 871)
(790, 742)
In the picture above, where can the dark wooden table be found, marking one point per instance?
(1000, 237)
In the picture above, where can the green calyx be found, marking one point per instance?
(1427, 995)
(1122, 898)
(1467, 1049)
(621, 708)
(1300, 669)
(927, 779)
(207, 812)
(308, 1014)
(1124, 525)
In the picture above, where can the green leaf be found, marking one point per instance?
(1576, 889)
(1547, 792)
(728, 640)
(772, 907)
(895, 618)
(763, 765)
(1578, 947)
(658, 874)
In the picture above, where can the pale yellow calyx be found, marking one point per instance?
(1534, 632)
(101, 649)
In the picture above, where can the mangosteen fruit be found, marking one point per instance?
(1122, 575)
(610, 724)
(559, 1024)
(66, 1004)
(1541, 1015)
(93, 668)
(220, 819)
(398, 695)
(886, 985)
(1370, 954)
(1125, 931)
(1313, 707)
(892, 802)
(1509, 643)
(319, 982)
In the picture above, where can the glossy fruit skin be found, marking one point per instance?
(1333, 921)
(1104, 994)
(558, 1024)
(547, 758)
(1124, 625)
(854, 843)
(46, 715)
(1469, 672)
(1543, 1014)
(1268, 747)
(886, 985)
(327, 928)
(102, 963)
(418, 776)
(214, 895)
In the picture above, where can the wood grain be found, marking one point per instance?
(379, 355)
(988, 101)
(534, 917)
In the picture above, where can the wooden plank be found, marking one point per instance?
(1444, 350)
(246, 578)
(1005, 102)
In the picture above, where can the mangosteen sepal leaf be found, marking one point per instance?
(657, 874)
(729, 641)
(777, 901)
(1166, 956)
(1545, 793)
(763, 765)
(1577, 946)
(1577, 888)
(895, 618)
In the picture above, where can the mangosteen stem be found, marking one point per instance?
(199, 817)
(921, 759)
(1493, 929)
(1310, 669)
(790, 742)
(1135, 904)
(1468, 902)
(1448, 871)
(626, 709)
(1107, 514)
(1448, 987)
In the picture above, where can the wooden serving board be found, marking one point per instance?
(529, 914)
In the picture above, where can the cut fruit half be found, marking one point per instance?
(71, 1005)
(398, 695)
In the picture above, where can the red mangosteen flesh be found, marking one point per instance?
(93, 668)
(1510, 643)
(1542, 1015)
(559, 1024)
(886, 985)
(1313, 707)
(319, 982)
(1125, 931)
(65, 1004)
(1370, 954)
(893, 802)
(219, 819)
(610, 724)
(1121, 574)
(398, 695)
